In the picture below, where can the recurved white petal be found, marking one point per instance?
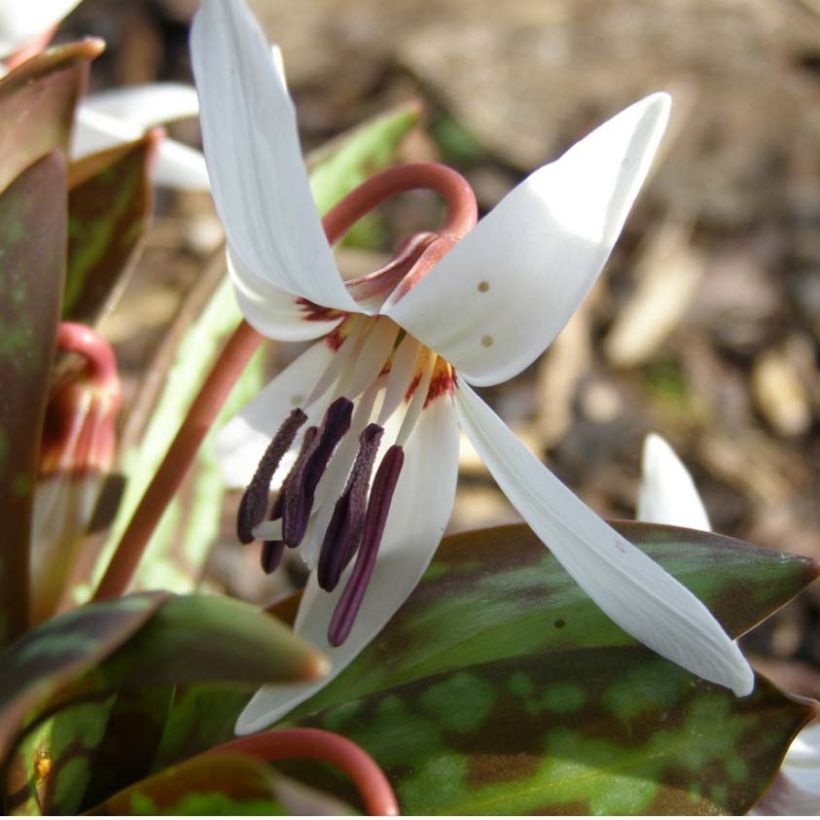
(275, 313)
(668, 495)
(21, 20)
(641, 597)
(418, 515)
(495, 302)
(241, 442)
(259, 181)
(147, 105)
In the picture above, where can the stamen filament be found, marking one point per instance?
(384, 485)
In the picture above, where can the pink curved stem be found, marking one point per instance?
(458, 196)
(96, 350)
(318, 744)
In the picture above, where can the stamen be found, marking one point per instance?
(384, 485)
(254, 503)
(344, 531)
(271, 556)
(301, 484)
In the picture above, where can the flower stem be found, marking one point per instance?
(454, 189)
(226, 370)
(99, 357)
(461, 216)
(318, 744)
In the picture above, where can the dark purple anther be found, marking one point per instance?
(345, 529)
(254, 503)
(301, 484)
(271, 555)
(384, 485)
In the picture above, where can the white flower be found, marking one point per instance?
(23, 20)
(405, 359)
(124, 114)
(669, 496)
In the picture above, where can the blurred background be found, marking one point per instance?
(705, 325)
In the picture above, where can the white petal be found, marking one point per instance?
(259, 181)
(241, 442)
(273, 312)
(641, 597)
(95, 131)
(495, 302)
(176, 166)
(418, 515)
(22, 20)
(180, 167)
(147, 105)
(668, 495)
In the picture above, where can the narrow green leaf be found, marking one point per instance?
(32, 270)
(210, 638)
(109, 207)
(37, 102)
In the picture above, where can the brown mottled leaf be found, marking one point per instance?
(54, 656)
(190, 639)
(110, 204)
(37, 102)
(32, 270)
(499, 687)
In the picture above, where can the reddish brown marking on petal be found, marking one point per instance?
(443, 381)
(338, 336)
(413, 385)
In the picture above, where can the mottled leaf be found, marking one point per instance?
(229, 784)
(192, 639)
(484, 587)
(48, 659)
(499, 687)
(110, 204)
(613, 730)
(32, 270)
(37, 102)
(209, 638)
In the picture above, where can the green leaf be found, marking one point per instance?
(48, 660)
(32, 269)
(192, 639)
(484, 587)
(230, 784)
(499, 687)
(37, 102)
(109, 207)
